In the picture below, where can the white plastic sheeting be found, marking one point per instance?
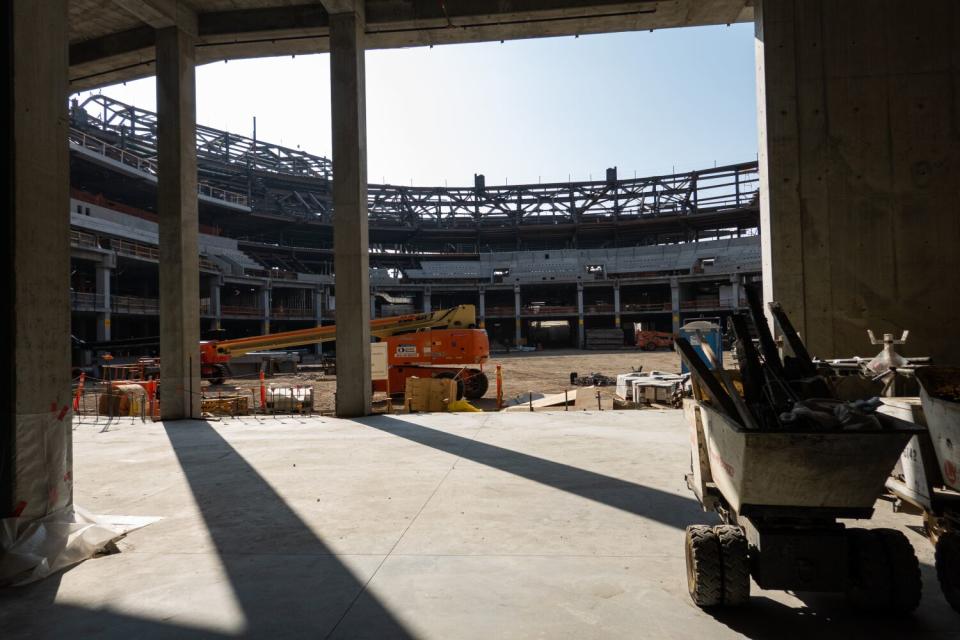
(34, 550)
(43, 462)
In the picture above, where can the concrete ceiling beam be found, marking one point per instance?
(161, 14)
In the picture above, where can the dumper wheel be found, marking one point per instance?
(904, 570)
(948, 567)
(870, 586)
(736, 566)
(704, 566)
(475, 384)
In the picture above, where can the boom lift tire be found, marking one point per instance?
(948, 567)
(475, 384)
(735, 563)
(704, 566)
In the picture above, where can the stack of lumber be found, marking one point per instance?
(429, 394)
(226, 405)
(604, 339)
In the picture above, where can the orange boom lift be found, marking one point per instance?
(441, 344)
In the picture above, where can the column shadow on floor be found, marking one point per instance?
(286, 580)
(648, 502)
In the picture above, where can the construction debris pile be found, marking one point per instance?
(770, 392)
(592, 380)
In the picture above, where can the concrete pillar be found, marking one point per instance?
(616, 304)
(373, 306)
(427, 303)
(581, 330)
(318, 317)
(103, 294)
(350, 226)
(859, 113)
(177, 208)
(265, 305)
(482, 316)
(517, 322)
(36, 468)
(675, 303)
(735, 290)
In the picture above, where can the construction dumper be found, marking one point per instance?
(780, 460)
(927, 480)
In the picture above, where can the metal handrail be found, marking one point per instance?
(147, 165)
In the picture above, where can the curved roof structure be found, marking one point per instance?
(113, 40)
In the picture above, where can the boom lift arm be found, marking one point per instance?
(220, 351)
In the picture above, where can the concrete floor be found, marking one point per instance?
(547, 525)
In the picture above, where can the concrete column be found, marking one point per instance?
(350, 226)
(616, 304)
(735, 290)
(177, 208)
(103, 292)
(265, 304)
(373, 306)
(482, 316)
(675, 303)
(35, 434)
(517, 322)
(427, 303)
(859, 138)
(318, 317)
(581, 330)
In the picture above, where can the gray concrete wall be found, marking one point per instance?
(860, 169)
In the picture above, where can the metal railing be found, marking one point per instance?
(134, 249)
(134, 304)
(288, 312)
(702, 303)
(641, 307)
(147, 165)
(82, 239)
(86, 301)
(240, 310)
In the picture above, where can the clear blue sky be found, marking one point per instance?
(521, 111)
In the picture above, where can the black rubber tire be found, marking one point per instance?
(704, 570)
(476, 384)
(870, 587)
(907, 585)
(446, 375)
(736, 565)
(948, 567)
(650, 346)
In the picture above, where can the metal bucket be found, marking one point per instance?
(940, 396)
(830, 470)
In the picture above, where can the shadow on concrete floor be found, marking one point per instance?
(287, 581)
(829, 616)
(654, 504)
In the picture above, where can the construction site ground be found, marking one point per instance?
(538, 371)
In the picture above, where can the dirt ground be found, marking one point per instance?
(538, 371)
